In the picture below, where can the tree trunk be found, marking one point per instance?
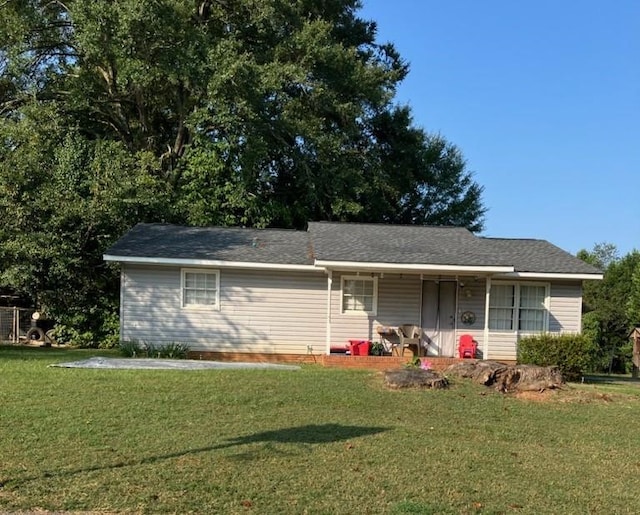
(509, 378)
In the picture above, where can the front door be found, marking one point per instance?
(439, 317)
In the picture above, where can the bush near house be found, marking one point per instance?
(573, 354)
(136, 349)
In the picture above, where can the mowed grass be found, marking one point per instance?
(309, 441)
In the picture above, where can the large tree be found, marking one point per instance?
(611, 304)
(233, 112)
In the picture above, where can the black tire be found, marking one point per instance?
(35, 334)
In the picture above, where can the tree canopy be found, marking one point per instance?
(265, 113)
(612, 306)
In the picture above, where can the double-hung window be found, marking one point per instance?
(359, 295)
(533, 308)
(519, 307)
(502, 307)
(200, 288)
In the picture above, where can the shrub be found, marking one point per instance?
(69, 335)
(414, 363)
(173, 350)
(131, 349)
(151, 350)
(72, 329)
(110, 331)
(63, 334)
(135, 349)
(573, 354)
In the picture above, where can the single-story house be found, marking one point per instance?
(293, 293)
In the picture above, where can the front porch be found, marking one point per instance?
(330, 360)
(382, 362)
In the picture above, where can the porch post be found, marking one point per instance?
(485, 347)
(328, 329)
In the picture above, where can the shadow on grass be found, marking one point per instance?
(308, 434)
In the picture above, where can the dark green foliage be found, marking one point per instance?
(131, 349)
(262, 113)
(60, 208)
(136, 349)
(415, 362)
(377, 349)
(573, 354)
(633, 301)
(612, 306)
(173, 350)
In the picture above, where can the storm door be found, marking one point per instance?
(439, 317)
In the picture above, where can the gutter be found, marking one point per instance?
(412, 267)
(549, 275)
(134, 260)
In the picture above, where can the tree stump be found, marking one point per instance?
(507, 378)
(482, 372)
(414, 378)
(527, 378)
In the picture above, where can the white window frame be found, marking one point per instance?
(374, 301)
(517, 307)
(208, 271)
(504, 307)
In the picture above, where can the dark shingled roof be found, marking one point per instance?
(416, 244)
(399, 244)
(276, 246)
(537, 256)
(351, 242)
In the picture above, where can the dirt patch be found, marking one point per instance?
(572, 395)
(587, 397)
(537, 396)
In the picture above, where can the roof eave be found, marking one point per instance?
(550, 275)
(214, 263)
(411, 267)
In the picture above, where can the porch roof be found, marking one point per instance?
(439, 248)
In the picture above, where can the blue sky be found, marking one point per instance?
(543, 99)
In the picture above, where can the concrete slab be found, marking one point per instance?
(168, 364)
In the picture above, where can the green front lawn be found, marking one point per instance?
(310, 441)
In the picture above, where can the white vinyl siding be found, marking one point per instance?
(565, 308)
(359, 294)
(271, 312)
(503, 346)
(200, 288)
(286, 312)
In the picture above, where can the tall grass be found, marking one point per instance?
(309, 441)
